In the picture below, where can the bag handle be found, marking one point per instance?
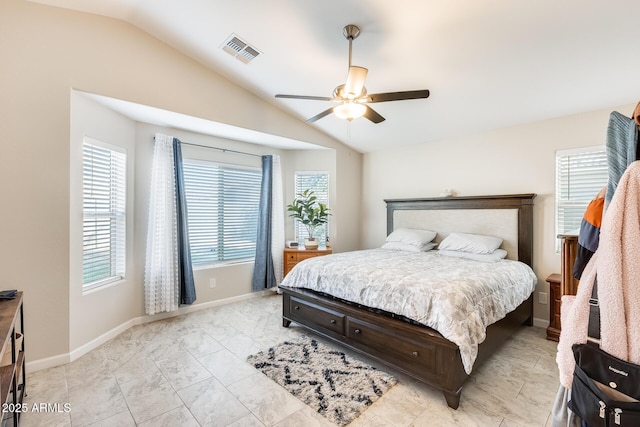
(593, 334)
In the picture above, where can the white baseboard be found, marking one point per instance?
(540, 323)
(47, 362)
(61, 359)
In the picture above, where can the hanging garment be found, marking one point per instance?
(589, 235)
(636, 114)
(618, 271)
(621, 147)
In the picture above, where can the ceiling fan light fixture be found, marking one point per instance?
(349, 110)
(352, 96)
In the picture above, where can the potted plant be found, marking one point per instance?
(311, 213)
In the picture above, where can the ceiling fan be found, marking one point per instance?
(352, 96)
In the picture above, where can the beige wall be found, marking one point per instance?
(93, 313)
(48, 51)
(507, 161)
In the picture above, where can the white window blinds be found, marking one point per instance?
(104, 213)
(222, 206)
(580, 175)
(318, 182)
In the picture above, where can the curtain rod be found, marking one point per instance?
(224, 150)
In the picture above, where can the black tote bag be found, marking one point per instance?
(606, 390)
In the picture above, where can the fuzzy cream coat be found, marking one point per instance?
(617, 264)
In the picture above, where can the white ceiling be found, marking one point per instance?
(488, 64)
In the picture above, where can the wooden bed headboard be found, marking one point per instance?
(509, 217)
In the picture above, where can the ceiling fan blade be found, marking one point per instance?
(355, 82)
(312, 98)
(397, 96)
(321, 115)
(372, 115)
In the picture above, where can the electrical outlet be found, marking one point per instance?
(212, 282)
(542, 297)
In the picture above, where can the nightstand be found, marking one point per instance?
(292, 256)
(555, 295)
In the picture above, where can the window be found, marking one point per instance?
(318, 182)
(580, 175)
(104, 195)
(222, 206)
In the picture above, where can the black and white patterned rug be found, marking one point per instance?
(337, 386)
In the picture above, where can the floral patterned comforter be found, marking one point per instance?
(459, 298)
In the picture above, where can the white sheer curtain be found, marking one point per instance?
(277, 220)
(161, 281)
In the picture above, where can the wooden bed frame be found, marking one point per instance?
(416, 350)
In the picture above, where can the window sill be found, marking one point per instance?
(107, 283)
(221, 264)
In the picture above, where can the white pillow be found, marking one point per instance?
(475, 243)
(411, 236)
(496, 256)
(399, 246)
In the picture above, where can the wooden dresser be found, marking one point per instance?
(562, 284)
(292, 256)
(12, 373)
(569, 251)
(553, 331)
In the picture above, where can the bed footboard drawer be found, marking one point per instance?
(314, 315)
(403, 351)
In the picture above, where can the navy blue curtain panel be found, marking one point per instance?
(263, 274)
(187, 285)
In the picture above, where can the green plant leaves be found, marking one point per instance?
(309, 211)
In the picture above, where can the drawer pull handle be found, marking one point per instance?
(357, 331)
(333, 321)
(297, 307)
(415, 354)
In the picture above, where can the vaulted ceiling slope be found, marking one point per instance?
(488, 64)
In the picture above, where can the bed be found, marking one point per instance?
(396, 338)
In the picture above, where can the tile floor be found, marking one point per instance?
(191, 371)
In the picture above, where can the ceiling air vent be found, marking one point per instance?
(240, 49)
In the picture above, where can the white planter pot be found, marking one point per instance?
(311, 243)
